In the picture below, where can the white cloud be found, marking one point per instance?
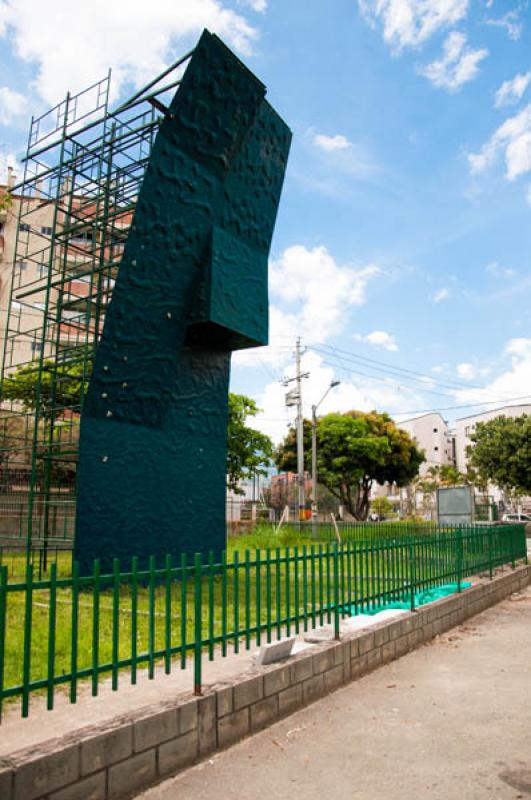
(8, 160)
(510, 23)
(257, 5)
(378, 339)
(510, 92)
(458, 65)
(513, 138)
(363, 394)
(514, 382)
(409, 23)
(440, 295)
(500, 272)
(466, 371)
(331, 143)
(332, 163)
(12, 104)
(311, 296)
(136, 38)
(315, 291)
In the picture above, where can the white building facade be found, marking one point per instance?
(431, 434)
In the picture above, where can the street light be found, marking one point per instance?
(314, 450)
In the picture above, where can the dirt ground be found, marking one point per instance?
(449, 721)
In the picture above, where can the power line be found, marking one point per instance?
(432, 410)
(440, 394)
(403, 372)
(386, 381)
(466, 405)
(392, 380)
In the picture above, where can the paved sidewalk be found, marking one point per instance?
(450, 721)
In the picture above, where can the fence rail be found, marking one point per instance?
(63, 630)
(16, 551)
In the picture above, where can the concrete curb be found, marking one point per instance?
(119, 759)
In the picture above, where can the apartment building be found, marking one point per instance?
(58, 292)
(430, 432)
(25, 268)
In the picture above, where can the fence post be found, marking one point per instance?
(490, 553)
(411, 558)
(197, 624)
(513, 533)
(336, 593)
(3, 615)
(26, 666)
(459, 554)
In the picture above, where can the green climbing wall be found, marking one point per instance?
(192, 287)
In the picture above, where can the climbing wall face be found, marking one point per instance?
(191, 287)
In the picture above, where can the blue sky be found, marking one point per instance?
(403, 234)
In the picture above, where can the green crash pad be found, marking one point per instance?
(421, 598)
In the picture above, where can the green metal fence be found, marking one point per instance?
(64, 630)
(373, 531)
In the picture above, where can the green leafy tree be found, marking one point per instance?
(56, 394)
(285, 456)
(381, 506)
(249, 450)
(501, 453)
(354, 450)
(6, 201)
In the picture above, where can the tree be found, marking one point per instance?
(285, 456)
(354, 450)
(6, 201)
(502, 452)
(57, 391)
(249, 450)
(382, 506)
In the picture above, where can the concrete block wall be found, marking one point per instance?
(121, 758)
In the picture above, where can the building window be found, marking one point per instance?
(42, 269)
(435, 430)
(435, 448)
(21, 265)
(35, 348)
(47, 231)
(24, 227)
(82, 236)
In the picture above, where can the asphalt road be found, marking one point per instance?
(450, 721)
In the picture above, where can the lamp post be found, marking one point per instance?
(314, 451)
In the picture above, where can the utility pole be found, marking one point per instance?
(300, 430)
(294, 398)
(314, 452)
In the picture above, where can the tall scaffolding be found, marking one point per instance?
(83, 169)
